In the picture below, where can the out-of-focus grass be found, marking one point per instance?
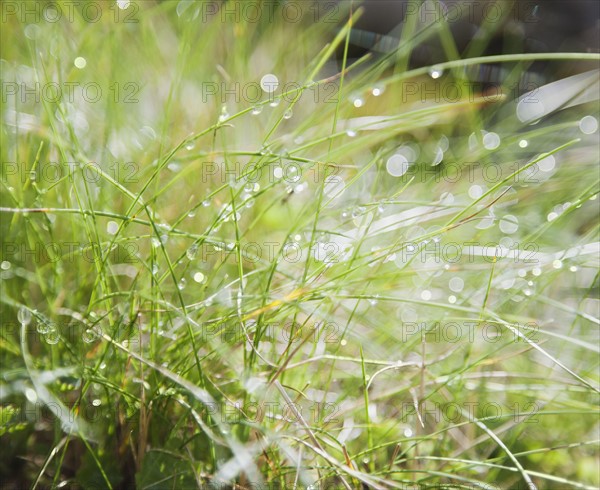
(201, 286)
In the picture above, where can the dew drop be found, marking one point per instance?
(557, 264)
(80, 62)
(436, 72)
(5, 265)
(182, 284)
(256, 110)
(397, 165)
(112, 227)
(190, 146)
(588, 125)
(547, 164)
(31, 395)
(451, 299)
(378, 89)
(123, 4)
(573, 268)
(52, 337)
(374, 300)
(224, 114)
(278, 172)
(439, 156)
(274, 102)
(269, 83)
(357, 101)
(456, 284)
(96, 402)
(475, 191)
(24, 316)
(552, 216)
(426, 295)
(351, 133)
(192, 252)
(408, 432)
(199, 277)
(288, 114)
(191, 214)
(523, 143)
(88, 336)
(491, 141)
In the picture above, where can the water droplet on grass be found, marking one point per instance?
(182, 284)
(288, 114)
(52, 337)
(112, 227)
(588, 125)
(397, 165)
(436, 72)
(523, 143)
(456, 284)
(269, 83)
(199, 277)
(97, 402)
(547, 164)
(351, 133)
(475, 191)
(123, 4)
(378, 89)
(24, 316)
(426, 295)
(80, 62)
(88, 336)
(357, 101)
(224, 114)
(491, 141)
(256, 110)
(557, 264)
(5, 265)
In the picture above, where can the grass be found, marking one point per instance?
(357, 281)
